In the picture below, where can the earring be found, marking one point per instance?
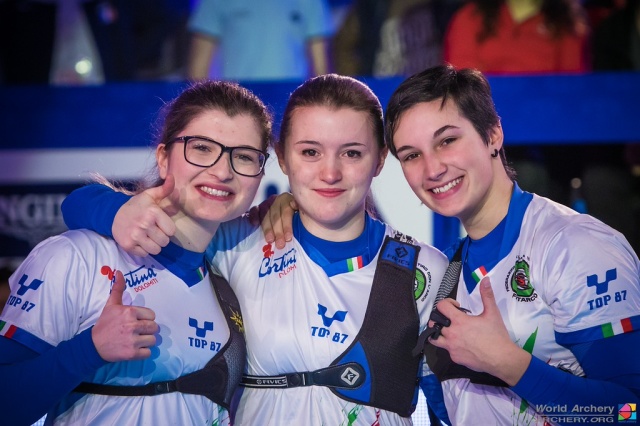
(495, 153)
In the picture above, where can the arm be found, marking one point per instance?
(319, 55)
(611, 377)
(92, 207)
(32, 383)
(482, 343)
(121, 333)
(201, 52)
(137, 223)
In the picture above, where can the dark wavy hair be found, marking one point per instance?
(467, 88)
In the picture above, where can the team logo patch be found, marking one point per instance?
(419, 285)
(34, 284)
(327, 321)
(281, 265)
(138, 279)
(519, 281)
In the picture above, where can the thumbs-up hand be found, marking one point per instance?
(124, 333)
(482, 342)
(141, 226)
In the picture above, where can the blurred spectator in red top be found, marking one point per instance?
(518, 36)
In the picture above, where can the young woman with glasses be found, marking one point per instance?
(94, 335)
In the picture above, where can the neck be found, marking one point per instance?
(192, 235)
(492, 209)
(344, 231)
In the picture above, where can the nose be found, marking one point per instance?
(330, 171)
(434, 168)
(222, 168)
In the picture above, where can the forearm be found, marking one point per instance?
(319, 53)
(543, 384)
(31, 387)
(93, 207)
(201, 53)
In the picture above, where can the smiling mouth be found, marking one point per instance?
(214, 192)
(445, 188)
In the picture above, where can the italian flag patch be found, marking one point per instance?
(201, 272)
(618, 327)
(7, 330)
(354, 263)
(479, 274)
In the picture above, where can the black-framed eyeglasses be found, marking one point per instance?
(205, 152)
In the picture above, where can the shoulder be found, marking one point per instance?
(555, 223)
(81, 241)
(233, 234)
(578, 243)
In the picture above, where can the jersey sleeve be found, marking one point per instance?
(93, 207)
(230, 242)
(49, 295)
(592, 283)
(46, 348)
(55, 372)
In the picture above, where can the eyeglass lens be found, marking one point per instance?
(204, 153)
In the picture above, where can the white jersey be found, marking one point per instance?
(64, 284)
(300, 313)
(560, 277)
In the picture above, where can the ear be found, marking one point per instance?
(279, 149)
(162, 159)
(381, 158)
(496, 137)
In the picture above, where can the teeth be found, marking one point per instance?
(215, 192)
(447, 187)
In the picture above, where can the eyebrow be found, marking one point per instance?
(437, 133)
(314, 142)
(442, 129)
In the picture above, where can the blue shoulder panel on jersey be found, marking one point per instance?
(598, 332)
(22, 336)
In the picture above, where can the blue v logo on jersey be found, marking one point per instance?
(338, 316)
(602, 287)
(201, 331)
(33, 285)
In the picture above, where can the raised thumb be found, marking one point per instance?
(117, 290)
(158, 193)
(487, 296)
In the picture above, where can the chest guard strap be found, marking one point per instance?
(388, 334)
(438, 359)
(217, 380)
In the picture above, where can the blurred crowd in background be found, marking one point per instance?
(76, 42)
